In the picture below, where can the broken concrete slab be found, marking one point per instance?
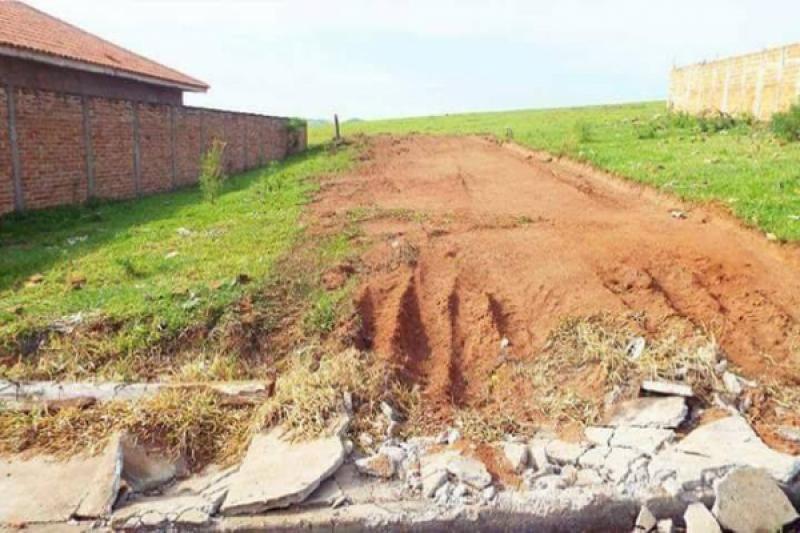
(698, 519)
(378, 465)
(276, 473)
(666, 413)
(360, 489)
(210, 482)
(562, 452)
(748, 499)
(516, 454)
(677, 472)
(732, 383)
(597, 435)
(665, 526)
(103, 487)
(18, 395)
(538, 454)
(43, 489)
(732, 441)
(144, 470)
(161, 511)
(469, 471)
(645, 521)
(435, 468)
(647, 440)
(587, 477)
(569, 510)
(595, 457)
(668, 388)
(618, 463)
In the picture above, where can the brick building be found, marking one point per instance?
(81, 118)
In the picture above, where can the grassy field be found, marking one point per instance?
(740, 165)
(144, 270)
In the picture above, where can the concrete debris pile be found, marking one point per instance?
(641, 470)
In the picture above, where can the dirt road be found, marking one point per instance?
(473, 243)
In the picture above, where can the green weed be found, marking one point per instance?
(787, 125)
(211, 171)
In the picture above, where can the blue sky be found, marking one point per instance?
(373, 59)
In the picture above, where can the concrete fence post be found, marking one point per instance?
(87, 141)
(173, 142)
(137, 170)
(261, 143)
(16, 167)
(244, 142)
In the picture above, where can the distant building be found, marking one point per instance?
(82, 118)
(42, 52)
(758, 84)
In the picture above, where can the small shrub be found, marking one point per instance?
(584, 133)
(715, 122)
(786, 125)
(211, 171)
(646, 131)
(296, 127)
(680, 120)
(323, 315)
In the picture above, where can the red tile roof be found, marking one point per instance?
(29, 33)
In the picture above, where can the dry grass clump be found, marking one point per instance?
(193, 422)
(587, 358)
(198, 423)
(309, 393)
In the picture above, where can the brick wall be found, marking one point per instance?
(51, 148)
(759, 84)
(71, 148)
(111, 126)
(189, 143)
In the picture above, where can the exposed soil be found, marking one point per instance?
(471, 242)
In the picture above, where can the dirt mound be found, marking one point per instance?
(478, 252)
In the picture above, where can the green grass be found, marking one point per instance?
(744, 167)
(153, 266)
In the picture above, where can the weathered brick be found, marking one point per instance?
(51, 148)
(112, 146)
(155, 145)
(189, 144)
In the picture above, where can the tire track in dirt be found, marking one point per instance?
(510, 245)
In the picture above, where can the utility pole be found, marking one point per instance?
(336, 125)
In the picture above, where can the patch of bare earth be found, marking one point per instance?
(469, 243)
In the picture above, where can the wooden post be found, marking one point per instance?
(336, 125)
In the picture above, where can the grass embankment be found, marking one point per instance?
(740, 165)
(126, 279)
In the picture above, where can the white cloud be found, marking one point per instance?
(383, 58)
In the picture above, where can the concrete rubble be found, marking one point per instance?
(748, 499)
(698, 519)
(276, 473)
(635, 472)
(46, 490)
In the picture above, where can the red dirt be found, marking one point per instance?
(471, 242)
